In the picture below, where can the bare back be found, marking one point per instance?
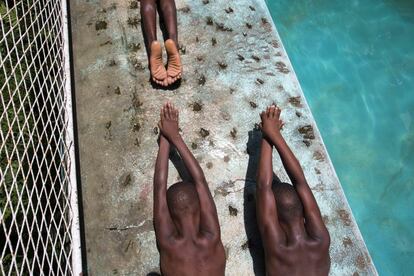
(304, 257)
(296, 240)
(191, 243)
(186, 256)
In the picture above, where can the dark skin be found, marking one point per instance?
(299, 246)
(167, 10)
(188, 245)
(168, 13)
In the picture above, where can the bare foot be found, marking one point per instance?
(271, 123)
(175, 68)
(169, 121)
(158, 72)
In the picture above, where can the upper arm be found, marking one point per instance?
(163, 224)
(313, 218)
(209, 219)
(267, 217)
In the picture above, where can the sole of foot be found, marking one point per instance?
(157, 68)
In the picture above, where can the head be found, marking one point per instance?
(289, 205)
(182, 200)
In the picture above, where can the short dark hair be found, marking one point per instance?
(182, 198)
(289, 205)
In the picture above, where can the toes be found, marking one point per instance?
(268, 111)
(170, 80)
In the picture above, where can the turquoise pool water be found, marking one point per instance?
(355, 62)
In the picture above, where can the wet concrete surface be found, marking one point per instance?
(234, 66)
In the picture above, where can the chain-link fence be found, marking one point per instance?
(39, 231)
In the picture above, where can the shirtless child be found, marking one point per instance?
(185, 216)
(161, 75)
(295, 239)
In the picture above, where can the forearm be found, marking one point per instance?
(161, 166)
(265, 170)
(189, 160)
(290, 162)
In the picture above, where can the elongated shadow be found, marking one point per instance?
(254, 242)
(180, 166)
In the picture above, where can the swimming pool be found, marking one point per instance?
(355, 62)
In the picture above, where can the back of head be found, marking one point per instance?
(289, 205)
(182, 199)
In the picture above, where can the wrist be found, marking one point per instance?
(276, 137)
(176, 138)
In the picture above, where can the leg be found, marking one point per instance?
(169, 14)
(148, 14)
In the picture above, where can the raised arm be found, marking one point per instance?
(163, 224)
(169, 127)
(313, 219)
(266, 210)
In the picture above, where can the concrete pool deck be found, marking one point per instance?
(234, 66)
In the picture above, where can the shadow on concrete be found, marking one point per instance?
(153, 274)
(254, 242)
(180, 166)
(173, 86)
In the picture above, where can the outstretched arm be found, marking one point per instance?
(314, 222)
(163, 224)
(266, 210)
(169, 127)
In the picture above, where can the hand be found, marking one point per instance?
(169, 121)
(271, 123)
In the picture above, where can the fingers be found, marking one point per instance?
(162, 113)
(272, 111)
(176, 114)
(281, 124)
(169, 111)
(262, 115)
(277, 112)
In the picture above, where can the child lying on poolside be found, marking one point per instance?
(295, 238)
(185, 217)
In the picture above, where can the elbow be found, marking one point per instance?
(199, 178)
(264, 181)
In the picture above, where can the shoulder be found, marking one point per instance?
(320, 243)
(168, 243)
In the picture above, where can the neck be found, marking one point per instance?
(294, 230)
(188, 226)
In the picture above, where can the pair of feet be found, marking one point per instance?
(161, 75)
(270, 125)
